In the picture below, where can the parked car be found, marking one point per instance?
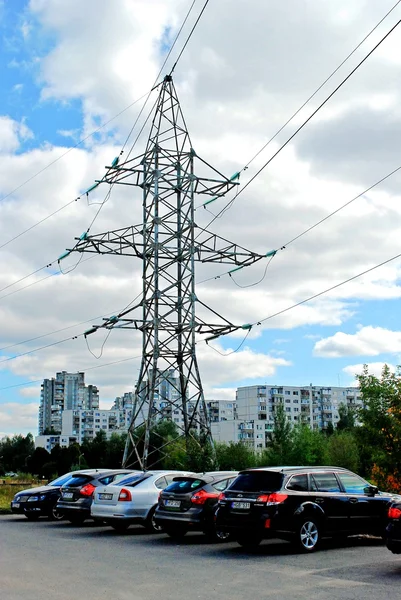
(300, 504)
(76, 494)
(132, 499)
(40, 501)
(393, 530)
(189, 504)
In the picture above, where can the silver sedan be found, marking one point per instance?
(132, 500)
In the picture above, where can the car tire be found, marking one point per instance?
(76, 519)
(176, 533)
(32, 516)
(150, 523)
(249, 541)
(217, 536)
(308, 534)
(56, 514)
(119, 527)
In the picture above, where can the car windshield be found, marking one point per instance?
(184, 486)
(133, 480)
(258, 481)
(60, 480)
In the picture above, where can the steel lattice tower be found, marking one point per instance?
(168, 242)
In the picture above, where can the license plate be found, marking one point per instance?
(173, 503)
(68, 495)
(16, 504)
(105, 496)
(241, 505)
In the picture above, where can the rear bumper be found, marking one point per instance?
(73, 508)
(118, 513)
(393, 537)
(195, 520)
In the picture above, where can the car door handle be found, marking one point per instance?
(319, 500)
(353, 500)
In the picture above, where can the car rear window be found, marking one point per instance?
(257, 481)
(77, 480)
(184, 486)
(133, 480)
(60, 480)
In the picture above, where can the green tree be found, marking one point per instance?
(308, 446)
(346, 420)
(234, 456)
(380, 433)
(280, 440)
(342, 450)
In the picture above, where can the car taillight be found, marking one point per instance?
(222, 496)
(274, 498)
(394, 513)
(125, 495)
(201, 497)
(87, 490)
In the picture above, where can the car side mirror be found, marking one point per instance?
(371, 490)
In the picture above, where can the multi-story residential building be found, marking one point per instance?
(124, 401)
(66, 391)
(221, 410)
(313, 405)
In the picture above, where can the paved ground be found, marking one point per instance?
(56, 561)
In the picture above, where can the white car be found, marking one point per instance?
(132, 499)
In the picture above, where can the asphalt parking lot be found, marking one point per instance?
(56, 561)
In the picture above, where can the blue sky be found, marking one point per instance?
(68, 68)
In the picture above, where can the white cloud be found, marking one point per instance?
(12, 133)
(375, 368)
(237, 85)
(19, 417)
(368, 341)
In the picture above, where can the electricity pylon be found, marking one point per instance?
(169, 243)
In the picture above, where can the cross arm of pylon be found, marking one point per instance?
(212, 248)
(127, 241)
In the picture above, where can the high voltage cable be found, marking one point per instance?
(147, 95)
(299, 235)
(333, 287)
(321, 85)
(189, 36)
(304, 123)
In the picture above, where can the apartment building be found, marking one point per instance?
(66, 391)
(312, 405)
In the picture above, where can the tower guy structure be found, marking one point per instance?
(169, 243)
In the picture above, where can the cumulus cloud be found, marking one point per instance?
(237, 85)
(375, 368)
(368, 341)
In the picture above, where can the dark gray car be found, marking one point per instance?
(77, 494)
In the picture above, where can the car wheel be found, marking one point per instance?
(151, 524)
(32, 516)
(76, 519)
(120, 527)
(55, 514)
(216, 535)
(308, 535)
(249, 541)
(176, 533)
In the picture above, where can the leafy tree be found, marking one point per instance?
(234, 456)
(308, 446)
(35, 462)
(279, 450)
(346, 420)
(380, 434)
(342, 450)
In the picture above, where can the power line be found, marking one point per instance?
(322, 85)
(189, 36)
(333, 287)
(341, 207)
(305, 122)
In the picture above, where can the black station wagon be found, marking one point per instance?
(300, 504)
